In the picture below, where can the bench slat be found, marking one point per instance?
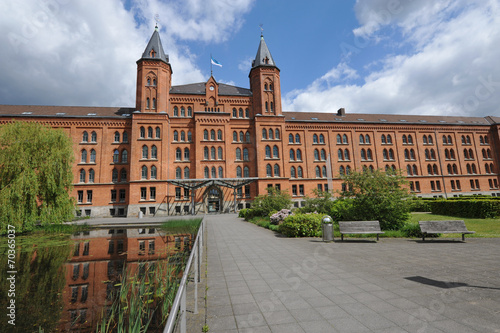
(359, 227)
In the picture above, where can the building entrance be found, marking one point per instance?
(214, 200)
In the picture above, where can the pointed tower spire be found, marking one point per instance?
(154, 50)
(263, 57)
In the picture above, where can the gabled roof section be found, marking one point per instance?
(64, 111)
(199, 89)
(154, 50)
(263, 57)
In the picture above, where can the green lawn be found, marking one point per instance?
(482, 227)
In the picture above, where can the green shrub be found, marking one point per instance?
(274, 201)
(413, 230)
(322, 203)
(419, 205)
(301, 225)
(467, 208)
(243, 213)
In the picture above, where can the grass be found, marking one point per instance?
(184, 226)
(482, 227)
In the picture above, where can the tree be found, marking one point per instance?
(274, 201)
(377, 195)
(322, 203)
(35, 176)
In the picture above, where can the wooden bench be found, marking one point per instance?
(359, 227)
(444, 227)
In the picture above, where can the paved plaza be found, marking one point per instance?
(259, 281)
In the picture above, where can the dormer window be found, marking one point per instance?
(152, 53)
(266, 60)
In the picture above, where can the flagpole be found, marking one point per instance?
(211, 71)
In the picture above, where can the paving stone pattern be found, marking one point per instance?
(259, 281)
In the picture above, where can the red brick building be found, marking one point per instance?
(126, 158)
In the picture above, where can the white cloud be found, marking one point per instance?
(451, 70)
(84, 52)
(246, 64)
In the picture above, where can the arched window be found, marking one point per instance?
(264, 133)
(450, 141)
(299, 172)
(190, 137)
(92, 156)
(91, 175)
(142, 132)
(117, 137)
(297, 138)
(446, 154)
(116, 156)
(150, 132)
(85, 136)
(339, 139)
(245, 154)
(246, 172)
(427, 154)
(488, 153)
(241, 136)
(114, 175)
(384, 139)
(340, 154)
(391, 154)
(429, 140)
(219, 153)
(154, 152)
(238, 172)
(124, 156)
(342, 170)
(408, 170)
(186, 173)
(323, 155)
(389, 139)
(186, 154)
(219, 135)
(157, 132)
(183, 136)
(205, 134)
(212, 153)
(212, 135)
(321, 138)
(267, 107)
(425, 139)
(235, 136)
(429, 169)
(369, 155)
(346, 155)
(407, 154)
(385, 154)
(471, 154)
(292, 155)
(153, 172)
(176, 111)
(206, 172)
(292, 172)
(318, 172)
(467, 139)
(455, 169)
(144, 172)
(238, 154)
(316, 155)
(469, 170)
(178, 173)
(275, 152)
(240, 113)
(247, 113)
(323, 169)
(435, 169)
(235, 113)
(487, 168)
(415, 170)
(363, 154)
(405, 140)
(277, 134)
(190, 111)
(272, 106)
(178, 154)
(214, 172)
(449, 169)
(221, 172)
(412, 154)
(269, 170)
(271, 134)
(93, 137)
(344, 139)
(205, 153)
(474, 170)
(361, 139)
(268, 152)
(125, 137)
(154, 103)
(444, 140)
(315, 138)
(276, 170)
(247, 137)
(299, 155)
(183, 111)
(123, 175)
(84, 156)
(176, 136)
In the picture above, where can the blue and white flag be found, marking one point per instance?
(215, 62)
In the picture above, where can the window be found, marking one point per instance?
(150, 132)
(290, 138)
(205, 153)
(82, 176)
(277, 134)
(125, 137)
(178, 154)
(183, 111)
(323, 155)
(268, 152)
(235, 113)
(246, 172)
(318, 172)
(219, 153)
(154, 152)
(235, 136)
(117, 137)
(238, 172)
(269, 170)
(315, 138)
(292, 155)
(247, 113)
(176, 111)
(190, 136)
(205, 134)
(142, 133)
(183, 136)
(363, 154)
(245, 154)
(238, 154)
(275, 152)
(271, 134)
(178, 173)
(91, 175)
(214, 172)
(369, 155)
(367, 138)
(93, 137)
(316, 155)
(190, 111)
(241, 136)
(186, 154)
(346, 155)
(301, 189)
(153, 172)
(84, 156)
(221, 172)
(176, 136)
(247, 137)
(297, 138)
(240, 113)
(344, 139)
(212, 153)
(212, 135)
(264, 134)
(321, 138)
(292, 172)
(143, 193)
(122, 195)
(80, 197)
(299, 172)
(186, 173)
(124, 156)
(144, 172)
(123, 175)
(276, 170)
(145, 152)
(219, 135)
(405, 139)
(206, 173)
(361, 139)
(89, 198)
(177, 193)
(299, 155)
(116, 156)
(85, 137)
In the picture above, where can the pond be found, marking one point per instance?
(106, 279)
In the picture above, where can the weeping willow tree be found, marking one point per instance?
(35, 176)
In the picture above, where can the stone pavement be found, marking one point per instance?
(261, 282)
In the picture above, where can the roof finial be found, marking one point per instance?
(157, 19)
(261, 30)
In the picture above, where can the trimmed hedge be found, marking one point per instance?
(467, 208)
(301, 225)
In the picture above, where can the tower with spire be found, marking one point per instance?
(265, 82)
(154, 77)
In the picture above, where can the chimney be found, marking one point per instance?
(341, 112)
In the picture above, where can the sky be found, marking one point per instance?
(421, 57)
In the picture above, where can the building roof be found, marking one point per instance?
(155, 45)
(385, 118)
(263, 57)
(199, 89)
(64, 111)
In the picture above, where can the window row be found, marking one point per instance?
(150, 105)
(116, 156)
(145, 152)
(121, 195)
(178, 154)
(245, 154)
(415, 186)
(452, 169)
(272, 171)
(468, 154)
(366, 155)
(471, 169)
(183, 111)
(246, 172)
(486, 154)
(483, 140)
(466, 140)
(179, 195)
(183, 136)
(83, 176)
(430, 154)
(412, 170)
(122, 174)
(293, 139)
(83, 156)
(270, 134)
(432, 169)
(388, 154)
(246, 137)
(80, 197)
(149, 81)
(239, 113)
(493, 183)
(300, 192)
(212, 155)
(365, 139)
(295, 155)
(142, 132)
(124, 137)
(179, 173)
(318, 139)
(410, 155)
(342, 139)
(152, 174)
(144, 195)
(319, 155)
(212, 135)
(320, 172)
(212, 173)
(427, 140)
(447, 140)
(474, 184)
(407, 139)
(296, 173)
(275, 152)
(267, 104)
(343, 155)
(435, 185)
(386, 139)
(93, 136)
(489, 168)
(449, 154)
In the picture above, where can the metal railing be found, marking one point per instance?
(180, 297)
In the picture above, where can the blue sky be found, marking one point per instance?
(368, 56)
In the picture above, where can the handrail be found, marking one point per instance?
(180, 297)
